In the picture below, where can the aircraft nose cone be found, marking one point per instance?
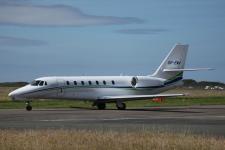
(12, 95)
(19, 94)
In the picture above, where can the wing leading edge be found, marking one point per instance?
(138, 97)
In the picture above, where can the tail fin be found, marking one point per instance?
(175, 60)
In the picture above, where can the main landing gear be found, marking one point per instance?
(120, 106)
(28, 106)
(102, 105)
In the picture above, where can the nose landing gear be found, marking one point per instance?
(28, 106)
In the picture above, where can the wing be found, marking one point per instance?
(137, 97)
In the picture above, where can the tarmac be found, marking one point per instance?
(207, 120)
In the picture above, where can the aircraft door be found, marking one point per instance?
(61, 85)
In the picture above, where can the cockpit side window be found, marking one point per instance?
(41, 83)
(35, 82)
(38, 82)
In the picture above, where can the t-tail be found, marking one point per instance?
(172, 67)
(174, 60)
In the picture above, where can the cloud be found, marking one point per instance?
(141, 31)
(13, 1)
(55, 15)
(14, 41)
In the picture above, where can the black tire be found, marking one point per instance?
(122, 107)
(28, 108)
(101, 106)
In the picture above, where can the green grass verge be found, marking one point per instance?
(189, 101)
(130, 104)
(45, 104)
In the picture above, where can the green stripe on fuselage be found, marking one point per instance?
(180, 74)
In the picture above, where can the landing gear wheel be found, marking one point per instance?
(28, 107)
(101, 106)
(121, 106)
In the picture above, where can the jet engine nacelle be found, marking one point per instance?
(145, 81)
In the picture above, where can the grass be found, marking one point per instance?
(4, 91)
(45, 104)
(190, 101)
(101, 140)
(198, 92)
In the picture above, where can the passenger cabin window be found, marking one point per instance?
(104, 82)
(75, 82)
(97, 82)
(67, 83)
(82, 82)
(113, 82)
(89, 82)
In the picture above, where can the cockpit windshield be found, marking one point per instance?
(38, 83)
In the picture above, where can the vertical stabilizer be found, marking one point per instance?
(174, 60)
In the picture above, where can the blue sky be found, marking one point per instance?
(54, 37)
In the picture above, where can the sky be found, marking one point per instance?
(99, 37)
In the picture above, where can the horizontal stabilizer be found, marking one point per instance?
(194, 69)
(138, 97)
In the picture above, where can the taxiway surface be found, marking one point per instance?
(197, 119)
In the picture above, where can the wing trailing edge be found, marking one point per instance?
(138, 97)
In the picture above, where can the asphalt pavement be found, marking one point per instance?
(208, 120)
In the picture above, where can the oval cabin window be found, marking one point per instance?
(134, 81)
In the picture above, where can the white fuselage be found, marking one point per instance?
(90, 87)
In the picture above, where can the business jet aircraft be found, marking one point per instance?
(104, 89)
